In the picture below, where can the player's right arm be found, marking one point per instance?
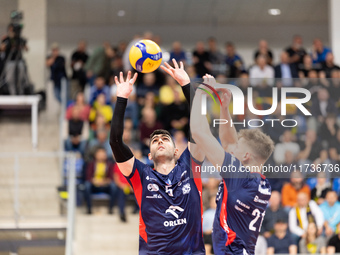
(121, 151)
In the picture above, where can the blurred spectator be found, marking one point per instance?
(129, 136)
(286, 144)
(175, 115)
(334, 89)
(331, 212)
(319, 192)
(334, 148)
(99, 178)
(323, 105)
(149, 84)
(334, 243)
(101, 140)
(319, 52)
(167, 91)
(296, 51)
(56, 62)
(286, 71)
(234, 62)
(261, 246)
(208, 220)
(307, 65)
(78, 60)
(274, 212)
(291, 190)
(83, 107)
(192, 72)
(304, 213)
(264, 51)
(210, 187)
(261, 74)
(312, 243)
(216, 58)
(99, 88)
(99, 107)
(180, 141)
(201, 60)
(311, 151)
(99, 63)
(177, 53)
(123, 190)
(328, 65)
(328, 129)
(281, 241)
(99, 123)
(147, 125)
(75, 127)
(243, 82)
(116, 67)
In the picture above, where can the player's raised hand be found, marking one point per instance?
(124, 88)
(226, 97)
(178, 73)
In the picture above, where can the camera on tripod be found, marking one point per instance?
(16, 18)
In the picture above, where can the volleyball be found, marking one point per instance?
(145, 56)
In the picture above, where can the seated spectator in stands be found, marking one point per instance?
(303, 214)
(235, 64)
(129, 136)
(261, 246)
(147, 125)
(210, 187)
(100, 88)
(101, 108)
(311, 242)
(167, 91)
(296, 51)
(307, 65)
(180, 141)
(331, 212)
(174, 116)
(334, 89)
(281, 241)
(319, 51)
(311, 151)
(201, 59)
(74, 141)
(101, 140)
(177, 53)
(291, 190)
(83, 107)
(323, 105)
(334, 243)
(208, 220)
(334, 148)
(216, 58)
(192, 73)
(78, 60)
(328, 129)
(264, 51)
(123, 190)
(243, 82)
(274, 212)
(99, 123)
(328, 65)
(286, 71)
(149, 84)
(319, 192)
(99, 178)
(286, 144)
(261, 74)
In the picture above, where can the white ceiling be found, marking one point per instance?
(177, 12)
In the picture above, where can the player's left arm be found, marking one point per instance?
(181, 76)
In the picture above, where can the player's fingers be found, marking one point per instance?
(181, 65)
(167, 70)
(128, 77)
(168, 66)
(134, 78)
(175, 63)
(116, 80)
(121, 78)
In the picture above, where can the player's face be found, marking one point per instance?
(240, 150)
(162, 146)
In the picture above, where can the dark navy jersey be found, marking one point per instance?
(241, 200)
(170, 216)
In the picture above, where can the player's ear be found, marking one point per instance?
(176, 152)
(246, 157)
(149, 156)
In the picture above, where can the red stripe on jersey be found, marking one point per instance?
(262, 176)
(224, 215)
(138, 189)
(198, 183)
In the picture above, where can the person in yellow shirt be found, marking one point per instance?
(167, 92)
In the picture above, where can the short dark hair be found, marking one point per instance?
(161, 132)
